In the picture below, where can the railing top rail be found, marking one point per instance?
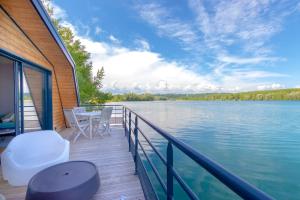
(102, 105)
(236, 184)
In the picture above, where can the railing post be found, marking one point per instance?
(124, 118)
(169, 171)
(129, 130)
(135, 142)
(114, 109)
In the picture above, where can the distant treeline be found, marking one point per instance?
(134, 97)
(268, 95)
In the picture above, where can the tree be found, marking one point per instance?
(99, 78)
(89, 87)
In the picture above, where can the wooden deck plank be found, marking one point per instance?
(114, 162)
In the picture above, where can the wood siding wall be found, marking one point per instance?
(25, 15)
(14, 40)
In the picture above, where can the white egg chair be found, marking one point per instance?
(30, 153)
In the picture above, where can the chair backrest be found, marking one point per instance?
(71, 118)
(29, 144)
(106, 114)
(79, 109)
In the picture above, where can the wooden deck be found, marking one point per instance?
(114, 162)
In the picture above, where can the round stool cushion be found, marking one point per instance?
(69, 180)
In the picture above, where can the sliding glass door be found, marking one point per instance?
(25, 95)
(35, 99)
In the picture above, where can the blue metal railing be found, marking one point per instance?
(130, 122)
(233, 182)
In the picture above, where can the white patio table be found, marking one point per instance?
(90, 116)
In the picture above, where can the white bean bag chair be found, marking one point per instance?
(30, 153)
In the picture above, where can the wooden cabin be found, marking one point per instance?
(37, 73)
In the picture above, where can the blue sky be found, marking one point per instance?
(194, 46)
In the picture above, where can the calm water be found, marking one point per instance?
(258, 141)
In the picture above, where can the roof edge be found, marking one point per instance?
(47, 21)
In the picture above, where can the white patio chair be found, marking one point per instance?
(78, 127)
(29, 153)
(77, 110)
(102, 125)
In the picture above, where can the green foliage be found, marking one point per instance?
(285, 94)
(133, 97)
(89, 86)
(99, 78)
(100, 98)
(270, 95)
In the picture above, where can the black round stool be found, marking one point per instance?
(70, 180)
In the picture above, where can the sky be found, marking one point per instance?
(188, 46)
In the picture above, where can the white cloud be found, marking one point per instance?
(58, 12)
(242, 61)
(98, 30)
(114, 39)
(143, 70)
(233, 34)
(255, 74)
(273, 86)
(146, 71)
(142, 44)
(249, 24)
(69, 25)
(219, 25)
(168, 25)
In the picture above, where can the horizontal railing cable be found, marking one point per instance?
(154, 149)
(153, 168)
(184, 186)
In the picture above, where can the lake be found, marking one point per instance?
(258, 141)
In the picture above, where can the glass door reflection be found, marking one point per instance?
(33, 99)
